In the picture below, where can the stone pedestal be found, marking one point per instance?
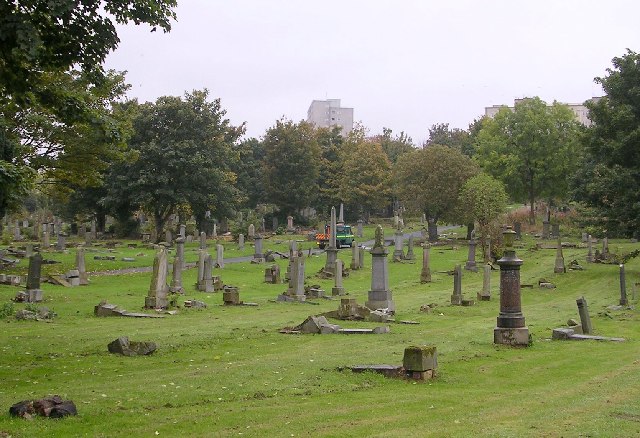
(545, 229)
(355, 255)
(231, 296)
(398, 249)
(471, 259)
(425, 275)
(559, 267)
(380, 297)
(332, 250)
(258, 256)
(485, 294)
(456, 296)
(420, 362)
(510, 328)
(338, 288)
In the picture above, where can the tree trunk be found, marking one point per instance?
(470, 228)
(432, 226)
(532, 200)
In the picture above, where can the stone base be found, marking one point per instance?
(425, 276)
(467, 302)
(291, 298)
(481, 297)
(257, 260)
(420, 375)
(381, 304)
(511, 336)
(456, 300)
(156, 303)
(34, 295)
(337, 291)
(471, 266)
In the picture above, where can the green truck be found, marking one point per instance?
(344, 236)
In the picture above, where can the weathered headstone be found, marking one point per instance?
(176, 279)
(471, 258)
(207, 279)
(183, 231)
(262, 226)
(338, 288)
(485, 295)
(274, 223)
(290, 223)
(45, 236)
(202, 257)
(203, 240)
(33, 292)
(220, 256)
(585, 319)
(605, 246)
(517, 227)
(555, 230)
(510, 328)
(28, 252)
(410, 255)
(81, 267)
(361, 250)
(360, 232)
(423, 218)
(251, 232)
(231, 296)
(240, 242)
(425, 274)
(94, 233)
(157, 297)
(341, 214)
(590, 258)
(585, 237)
(398, 249)
(623, 287)
(456, 296)
(82, 231)
(16, 231)
(272, 274)
(168, 237)
(355, 255)
(487, 250)
(258, 256)
(215, 230)
(296, 289)
(559, 267)
(180, 250)
(380, 297)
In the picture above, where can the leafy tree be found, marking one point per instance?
(428, 180)
(248, 168)
(331, 168)
(456, 138)
(532, 149)
(365, 180)
(184, 147)
(609, 179)
(291, 165)
(394, 146)
(482, 199)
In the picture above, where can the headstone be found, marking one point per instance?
(456, 297)
(207, 279)
(274, 223)
(272, 274)
(590, 258)
(176, 280)
(623, 287)
(251, 232)
(360, 232)
(28, 252)
(338, 288)
(341, 214)
(355, 253)
(332, 251)
(202, 257)
(33, 292)
(398, 249)
(263, 228)
(240, 242)
(220, 256)
(361, 250)
(203, 240)
(297, 279)
(425, 274)
(81, 267)
(485, 295)
(410, 255)
(183, 231)
(487, 249)
(555, 231)
(510, 328)
(585, 319)
(180, 250)
(215, 230)
(16, 231)
(94, 233)
(82, 231)
(45, 236)
(380, 297)
(168, 237)
(559, 268)
(420, 363)
(517, 227)
(605, 246)
(545, 229)
(258, 256)
(231, 296)
(471, 259)
(585, 237)
(157, 297)
(290, 223)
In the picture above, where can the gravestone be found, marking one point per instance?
(202, 257)
(16, 231)
(262, 227)
(183, 231)
(410, 254)
(180, 250)
(510, 328)
(487, 249)
(338, 288)
(623, 287)
(176, 280)
(251, 232)
(332, 251)
(94, 233)
(590, 257)
(73, 277)
(517, 227)
(559, 268)
(274, 223)
(240, 242)
(485, 295)
(272, 274)
(168, 237)
(425, 274)
(296, 290)
(545, 229)
(220, 256)
(81, 267)
(28, 250)
(231, 296)
(215, 230)
(361, 250)
(258, 256)
(380, 297)
(341, 214)
(471, 258)
(33, 292)
(207, 279)
(456, 297)
(157, 297)
(355, 253)
(360, 232)
(585, 319)
(82, 231)
(605, 246)
(585, 237)
(203, 240)
(45, 236)
(555, 231)
(398, 249)
(423, 218)
(290, 223)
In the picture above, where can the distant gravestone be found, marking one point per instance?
(398, 250)
(272, 274)
(410, 255)
(203, 240)
(338, 288)
(168, 237)
(361, 250)
(258, 256)
(425, 275)
(585, 319)
(183, 231)
(180, 250)
(274, 223)
(45, 236)
(456, 297)
(471, 258)
(517, 227)
(380, 296)
(176, 280)
(485, 294)
(341, 214)
(202, 257)
(81, 267)
(332, 250)
(605, 246)
(157, 297)
(360, 233)
(240, 242)
(559, 267)
(220, 256)
(33, 292)
(590, 257)
(251, 232)
(623, 287)
(290, 223)
(555, 231)
(355, 255)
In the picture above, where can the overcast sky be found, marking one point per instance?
(402, 64)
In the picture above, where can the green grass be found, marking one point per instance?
(226, 371)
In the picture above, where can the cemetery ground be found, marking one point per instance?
(227, 371)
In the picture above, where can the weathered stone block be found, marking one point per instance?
(511, 336)
(420, 358)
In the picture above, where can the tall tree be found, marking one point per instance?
(184, 148)
(532, 149)
(331, 168)
(291, 165)
(609, 179)
(482, 199)
(429, 181)
(365, 181)
(248, 168)
(460, 139)
(394, 146)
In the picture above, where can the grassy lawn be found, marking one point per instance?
(226, 371)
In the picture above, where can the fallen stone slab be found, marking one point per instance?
(123, 346)
(58, 280)
(51, 407)
(564, 333)
(373, 331)
(385, 370)
(109, 258)
(106, 309)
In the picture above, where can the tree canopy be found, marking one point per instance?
(482, 199)
(533, 149)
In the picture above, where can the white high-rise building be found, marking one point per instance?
(326, 113)
(581, 111)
